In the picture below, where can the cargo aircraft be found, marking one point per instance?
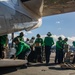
(17, 15)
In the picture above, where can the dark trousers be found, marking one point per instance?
(59, 56)
(73, 60)
(47, 53)
(31, 56)
(56, 57)
(38, 53)
(1, 51)
(23, 54)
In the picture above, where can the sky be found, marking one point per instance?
(59, 25)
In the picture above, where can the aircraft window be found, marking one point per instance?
(25, 0)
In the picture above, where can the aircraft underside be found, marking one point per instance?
(16, 18)
(16, 15)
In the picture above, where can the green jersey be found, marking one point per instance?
(19, 37)
(59, 45)
(64, 43)
(39, 41)
(74, 43)
(3, 40)
(48, 41)
(20, 47)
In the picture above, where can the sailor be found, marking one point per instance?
(48, 41)
(3, 45)
(73, 43)
(32, 41)
(65, 47)
(32, 54)
(59, 51)
(20, 37)
(38, 48)
(73, 62)
(22, 49)
(27, 41)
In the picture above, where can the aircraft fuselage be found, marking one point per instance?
(14, 17)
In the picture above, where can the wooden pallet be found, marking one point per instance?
(67, 65)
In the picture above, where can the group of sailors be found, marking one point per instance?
(33, 49)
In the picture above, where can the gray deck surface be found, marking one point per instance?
(37, 69)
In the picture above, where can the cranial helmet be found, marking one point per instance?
(60, 38)
(38, 35)
(33, 37)
(49, 34)
(66, 39)
(21, 34)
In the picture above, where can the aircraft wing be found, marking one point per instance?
(16, 15)
(50, 7)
